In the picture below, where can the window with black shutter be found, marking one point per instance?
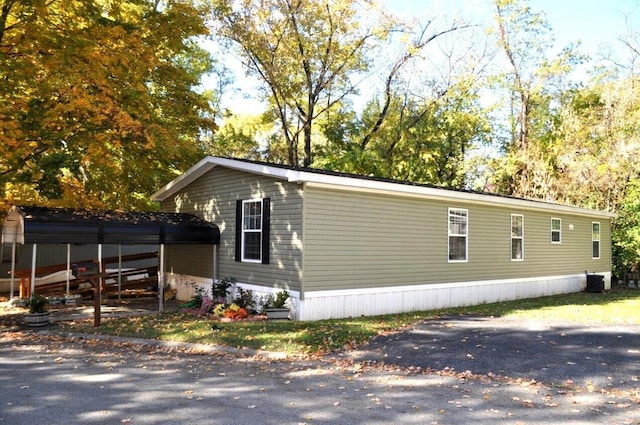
(252, 230)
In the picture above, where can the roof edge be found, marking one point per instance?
(345, 181)
(209, 162)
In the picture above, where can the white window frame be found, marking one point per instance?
(465, 235)
(246, 231)
(593, 239)
(519, 237)
(559, 231)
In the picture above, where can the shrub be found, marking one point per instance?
(37, 304)
(220, 289)
(206, 306)
(244, 298)
(279, 301)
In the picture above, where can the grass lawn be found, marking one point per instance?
(619, 306)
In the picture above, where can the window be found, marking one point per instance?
(458, 234)
(252, 230)
(517, 237)
(595, 239)
(556, 230)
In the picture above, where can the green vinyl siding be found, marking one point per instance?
(213, 197)
(367, 240)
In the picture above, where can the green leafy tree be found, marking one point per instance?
(534, 84)
(626, 233)
(307, 53)
(422, 131)
(242, 136)
(420, 140)
(601, 138)
(97, 99)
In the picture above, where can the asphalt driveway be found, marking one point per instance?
(595, 357)
(456, 370)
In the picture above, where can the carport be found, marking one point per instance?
(58, 226)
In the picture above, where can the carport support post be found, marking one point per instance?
(97, 290)
(13, 267)
(161, 280)
(214, 264)
(68, 265)
(95, 282)
(101, 272)
(33, 269)
(119, 271)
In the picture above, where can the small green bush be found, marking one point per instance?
(37, 304)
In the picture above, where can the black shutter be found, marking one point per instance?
(266, 218)
(239, 230)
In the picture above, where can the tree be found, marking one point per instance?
(601, 144)
(97, 99)
(626, 232)
(308, 54)
(239, 137)
(420, 140)
(427, 118)
(534, 84)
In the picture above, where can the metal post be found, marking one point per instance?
(161, 280)
(68, 265)
(33, 270)
(13, 260)
(119, 271)
(100, 280)
(214, 264)
(13, 267)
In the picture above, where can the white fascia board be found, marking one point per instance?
(262, 169)
(373, 186)
(184, 179)
(399, 189)
(208, 163)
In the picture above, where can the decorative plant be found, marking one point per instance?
(220, 289)
(279, 301)
(206, 306)
(37, 304)
(236, 312)
(219, 310)
(244, 298)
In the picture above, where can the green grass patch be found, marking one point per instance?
(619, 306)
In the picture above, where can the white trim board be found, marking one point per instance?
(345, 182)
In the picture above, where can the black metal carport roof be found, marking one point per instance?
(61, 226)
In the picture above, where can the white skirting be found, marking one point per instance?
(187, 285)
(375, 301)
(317, 305)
